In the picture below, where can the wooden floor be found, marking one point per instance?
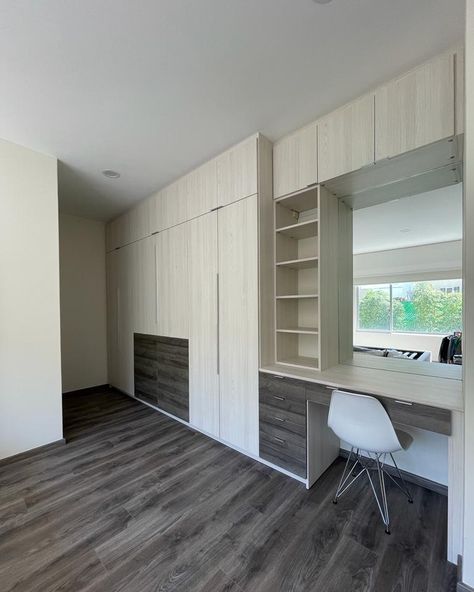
(136, 502)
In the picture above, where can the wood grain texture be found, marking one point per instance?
(203, 329)
(415, 109)
(137, 502)
(237, 172)
(295, 161)
(238, 323)
(346, 138)
(162, 373)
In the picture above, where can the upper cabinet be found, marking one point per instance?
(415, 109)
(237, 172)
(295, 161)
(201, 190)
(459, 89)
(346, 139)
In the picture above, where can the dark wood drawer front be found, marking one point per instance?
(283, 393)
(420, 416)
(162, 373)
(283, 419)
(283, 449)
(405, 413)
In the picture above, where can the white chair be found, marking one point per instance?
(362, 422)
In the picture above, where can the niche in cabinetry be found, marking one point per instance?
(297, 279)
(306, 290)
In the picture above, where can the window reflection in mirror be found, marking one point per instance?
(407, 286)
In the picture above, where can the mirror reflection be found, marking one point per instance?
(407, 283)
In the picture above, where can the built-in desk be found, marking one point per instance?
(293, 419)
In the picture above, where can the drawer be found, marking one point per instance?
(283, 448)
(283, 393)
(283, 419)
(318, 393)
(420, 416)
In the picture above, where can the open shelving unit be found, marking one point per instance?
(297, 320)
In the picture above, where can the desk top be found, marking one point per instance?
(444, 393)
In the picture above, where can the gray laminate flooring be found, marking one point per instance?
(136, 502)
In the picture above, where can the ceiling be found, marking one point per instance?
(152, 88)
(432, 217)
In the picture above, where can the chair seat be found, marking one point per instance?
(404, 438)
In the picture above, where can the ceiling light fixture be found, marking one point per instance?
(405, 229)
(322, 1)
(110, 174)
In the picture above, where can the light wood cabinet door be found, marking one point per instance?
(203, 324)
(201, 190)
(172, 205)
(117, 232)
(237, 172)
(346, 139)
(172, 282)
(140, 221)
(124, 307)
(238, 324)
(295, 162)
(415, 109)
(112, 316)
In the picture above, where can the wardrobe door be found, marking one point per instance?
(172, 282)
(112, 316)
(124, 295)
(237, 172)
(203, 328)
(238, 324)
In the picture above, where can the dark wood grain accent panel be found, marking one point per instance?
(283, 393)
(425, 417)
(162, 373)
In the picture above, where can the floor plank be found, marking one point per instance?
(136, 502)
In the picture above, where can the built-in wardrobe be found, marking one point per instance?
(189, 271)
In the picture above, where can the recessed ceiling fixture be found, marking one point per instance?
(322, 1)
(405, 229)
(110, 174)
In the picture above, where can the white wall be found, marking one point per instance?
(468, 345)
(83, 302)
(30, 357)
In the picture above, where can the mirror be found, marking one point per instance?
(407, 282)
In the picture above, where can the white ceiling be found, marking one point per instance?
(432, 217)
(152, 88)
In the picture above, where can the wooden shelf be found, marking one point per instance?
(296, 296)
(301, 362)
(300, 230)
(300, 330)
(305, 263)
(303, 200)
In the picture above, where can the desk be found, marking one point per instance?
(293, 420)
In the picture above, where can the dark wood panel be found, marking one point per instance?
(282, 393)
(278, 457)
(137, 502)
(410, 414)
(284, 419)
(162, 373)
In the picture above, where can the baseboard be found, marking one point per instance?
(28, 453)
(411, 478)
(101, 388)
(464, 588)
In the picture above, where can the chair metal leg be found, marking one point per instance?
(342, 487)
(403, 486)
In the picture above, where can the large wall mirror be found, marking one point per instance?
(407, 292)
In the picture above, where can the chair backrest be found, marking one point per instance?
(362, 422)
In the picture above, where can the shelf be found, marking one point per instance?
(296, 296)
(306, 263)
(306, 199)
(300, 362)
(300, 230)
(300, 330)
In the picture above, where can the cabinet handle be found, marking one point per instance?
(279, 398)
(279, 418)
(403, 402)
(279, 440)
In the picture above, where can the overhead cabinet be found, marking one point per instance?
(346, 139)
(415, 109)
(295, 162)
(237, 172)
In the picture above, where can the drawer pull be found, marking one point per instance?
(279, 418)
(279, 440)
(403, 402)
(279, 398)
